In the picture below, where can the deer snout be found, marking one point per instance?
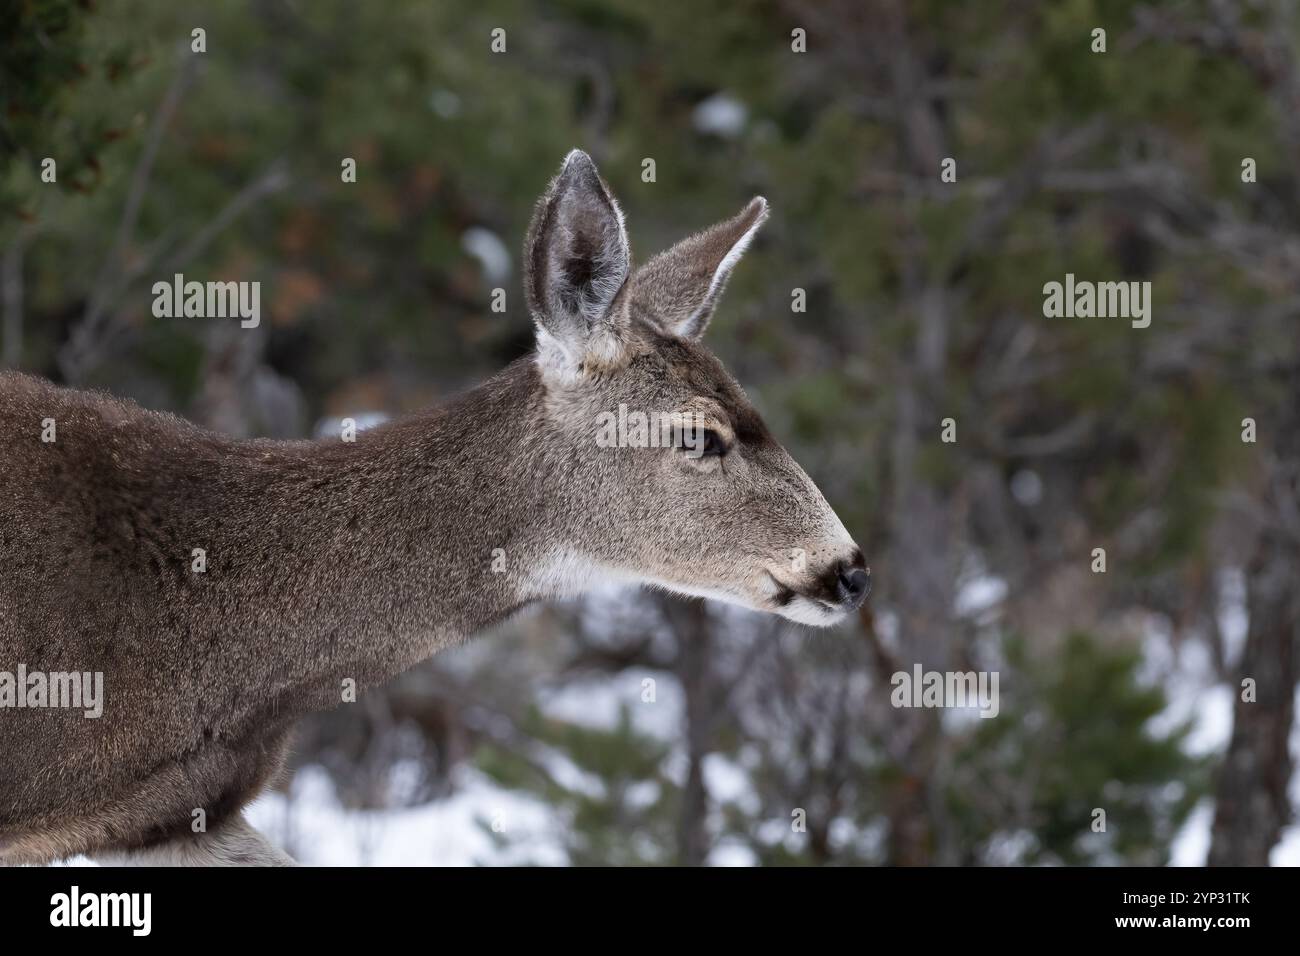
(852, 583)
(847, 581)
(826, 595)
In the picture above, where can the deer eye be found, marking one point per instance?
(701, 443)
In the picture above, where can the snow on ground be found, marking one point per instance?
(1190, 683)
(597, 702)
(320, 832)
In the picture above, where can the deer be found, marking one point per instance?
(327, 561)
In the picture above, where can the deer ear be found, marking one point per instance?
(679, 288)
(576, 260)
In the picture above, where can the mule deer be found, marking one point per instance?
(328, 561)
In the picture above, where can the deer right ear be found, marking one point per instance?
(679, 288)
(576, 260)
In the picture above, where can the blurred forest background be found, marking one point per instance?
(757, 742)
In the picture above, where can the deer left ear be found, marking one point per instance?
(678, 289)
(576, 261)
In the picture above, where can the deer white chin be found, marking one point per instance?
(800, 609)
(567, 574)
(804, 610)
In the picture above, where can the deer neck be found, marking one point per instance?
(420, 533)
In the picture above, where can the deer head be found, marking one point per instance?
(688, 490)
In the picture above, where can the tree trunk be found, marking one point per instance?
(694, 670)
(1252, 803)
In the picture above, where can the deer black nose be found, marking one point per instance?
(853, 584)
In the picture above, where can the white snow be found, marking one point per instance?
(721, 115)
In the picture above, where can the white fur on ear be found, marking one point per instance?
(576, 262)
(678, 289)
(699, 319)
(565, 362)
